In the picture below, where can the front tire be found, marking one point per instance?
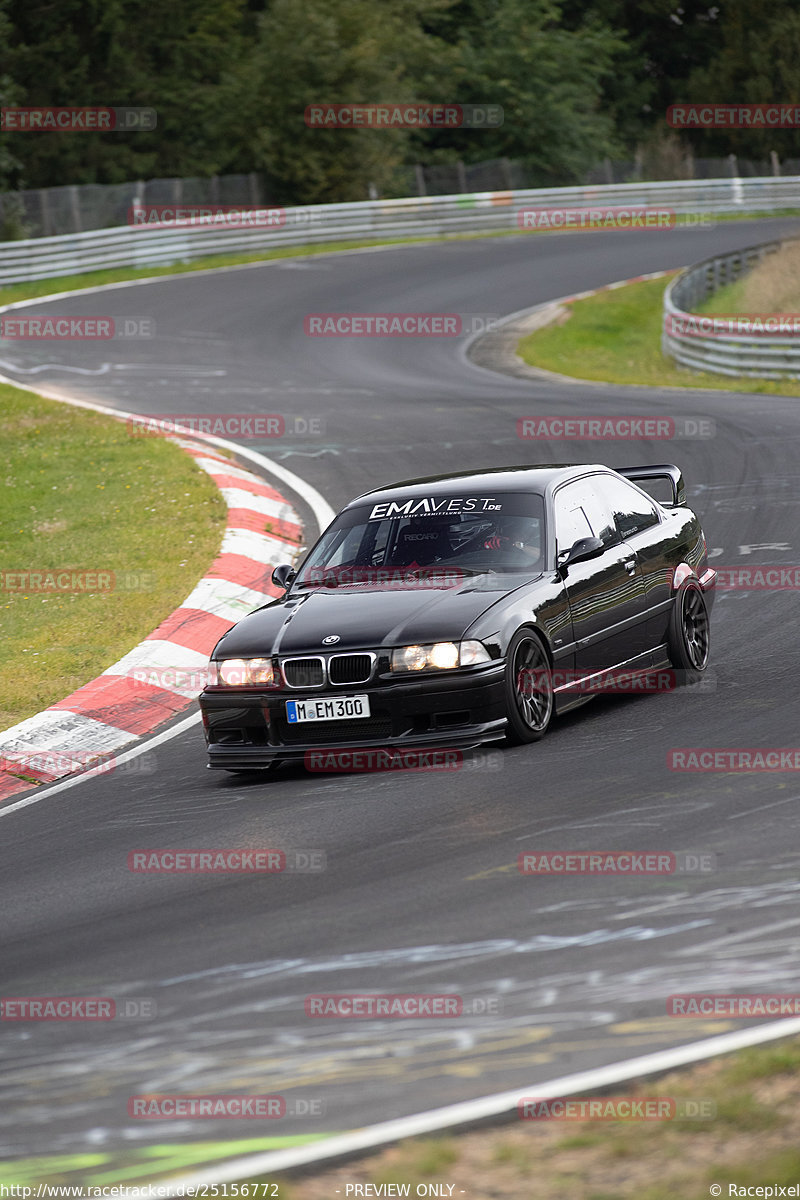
(689, 638)
(529, 689)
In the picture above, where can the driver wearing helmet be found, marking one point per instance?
(518, 535)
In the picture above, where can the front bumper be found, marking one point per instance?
(247, 728)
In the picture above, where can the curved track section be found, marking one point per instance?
(420, 891)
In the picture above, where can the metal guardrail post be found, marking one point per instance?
(413, 217)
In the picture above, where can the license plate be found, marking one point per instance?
(332, 708)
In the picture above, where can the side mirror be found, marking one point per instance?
(284, 576)
(587, 547)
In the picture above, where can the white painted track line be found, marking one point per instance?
(471, 1112)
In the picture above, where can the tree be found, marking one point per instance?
(549, 80)
(314, 52)
(9, 165)
(756, 62)
(181, 59)
(665, 40)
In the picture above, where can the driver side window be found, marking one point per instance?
(571, 519)
(581, 512)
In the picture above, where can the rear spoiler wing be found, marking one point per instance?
(659, 471)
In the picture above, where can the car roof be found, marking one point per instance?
(498, 479)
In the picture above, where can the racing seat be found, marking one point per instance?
(422, 542)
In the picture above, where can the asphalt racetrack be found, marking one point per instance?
(421, 892)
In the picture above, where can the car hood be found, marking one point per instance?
(365, 617)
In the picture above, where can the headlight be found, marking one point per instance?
(410, 658)
(473, 653)
(241, 672)
(443, 656)
(439, 656)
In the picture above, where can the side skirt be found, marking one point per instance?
(574, 693)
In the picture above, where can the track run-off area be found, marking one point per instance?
(420, 891)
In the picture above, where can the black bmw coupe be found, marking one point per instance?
(464, 609)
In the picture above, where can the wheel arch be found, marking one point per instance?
(501, 640)
(681, 574)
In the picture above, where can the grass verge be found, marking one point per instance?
(615, 337)
(82, 494)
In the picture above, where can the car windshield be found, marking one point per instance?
(439, 537)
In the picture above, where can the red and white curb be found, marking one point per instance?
(166, 672)
(610, 287)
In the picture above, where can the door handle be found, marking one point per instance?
(630, 566)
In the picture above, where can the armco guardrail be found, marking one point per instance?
(761, 355)
(162, 245)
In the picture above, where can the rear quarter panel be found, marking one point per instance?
(680, 541)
